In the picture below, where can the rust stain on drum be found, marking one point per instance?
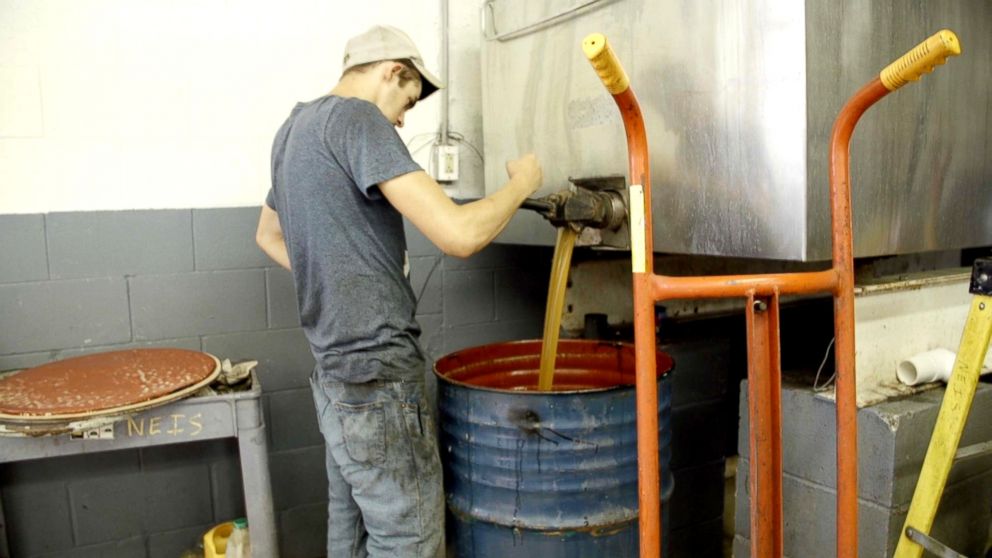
(102, 381)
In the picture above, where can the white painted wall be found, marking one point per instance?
(136, 104)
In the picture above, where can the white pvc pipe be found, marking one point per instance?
(930, 366)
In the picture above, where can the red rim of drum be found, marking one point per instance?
(581, 366)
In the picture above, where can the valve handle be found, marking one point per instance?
(606, 63)
(921, 60)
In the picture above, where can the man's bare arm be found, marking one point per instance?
(270, 238)
(461, 230)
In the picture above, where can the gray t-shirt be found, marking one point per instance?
(346, 242)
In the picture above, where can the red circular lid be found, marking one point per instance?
(102, 381)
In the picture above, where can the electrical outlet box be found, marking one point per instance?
(447, 163)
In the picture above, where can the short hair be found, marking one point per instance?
(407, 74)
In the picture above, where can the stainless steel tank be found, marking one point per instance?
(739, 98)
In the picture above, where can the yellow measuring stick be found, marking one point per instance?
(950, 423)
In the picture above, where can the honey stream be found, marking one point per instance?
(560, 264)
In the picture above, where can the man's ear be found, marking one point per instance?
(395, 69)
(391, 69)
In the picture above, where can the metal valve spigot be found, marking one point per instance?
(581, 208)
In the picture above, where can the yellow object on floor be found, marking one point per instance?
(215, 540)
(953, 413)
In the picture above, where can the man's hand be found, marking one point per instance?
(528, 170)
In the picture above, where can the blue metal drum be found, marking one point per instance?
(545, 474)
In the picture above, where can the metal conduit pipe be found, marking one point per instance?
(444, 128)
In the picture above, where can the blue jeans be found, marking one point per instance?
(383, 470)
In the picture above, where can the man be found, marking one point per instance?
(342, 180)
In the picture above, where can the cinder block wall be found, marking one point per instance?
(699, 391)
(74, 283)
(892, 442)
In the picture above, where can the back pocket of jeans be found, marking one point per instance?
(364, 432)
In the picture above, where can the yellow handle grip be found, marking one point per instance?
(606, 63)
(921, 60)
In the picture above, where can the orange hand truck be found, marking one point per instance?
(762, 312)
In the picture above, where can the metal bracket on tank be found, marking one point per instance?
(981, 277)
(487, 16)
(596, 206)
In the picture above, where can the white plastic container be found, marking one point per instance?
(239, 545)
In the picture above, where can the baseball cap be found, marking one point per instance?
(384, 42)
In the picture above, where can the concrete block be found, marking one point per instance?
(284, 357)
(808, 435)
(810, 519)
(892, 440)
(293, 420)
(111, 501)
(303, 531)
(176, 497)
(298, 477)
(426, 278)
(116, 243)
(280, 296)
(167, 306)
(963, 518)
(26, 360)
(107, 508)
(224, 238)
(468, 297)
(810, 526)
(416, 243)
(63, 314)
(701, 370)
(23, 250)
(913, 420)
(133, 547)
(171, 544)
(697, 434)
(742, 493)
(227, 489)
(463, 336)
(698, 495)
(520, 295)
(37, 516)
(189, 343)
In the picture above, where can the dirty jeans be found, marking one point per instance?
(383, 470)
